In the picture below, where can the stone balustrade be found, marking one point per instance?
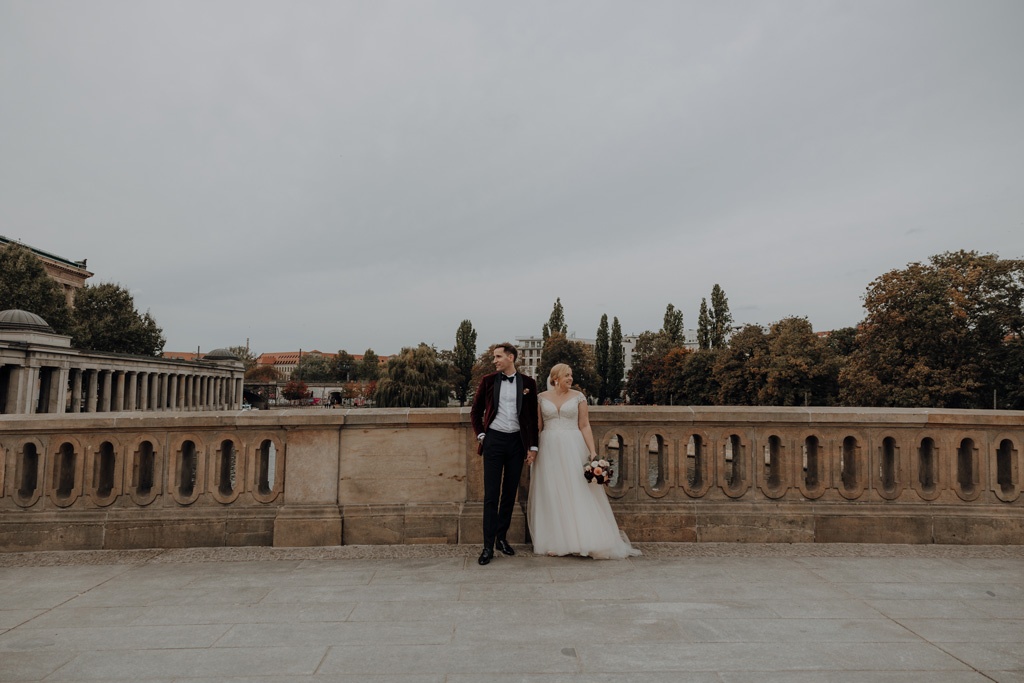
(327, 477)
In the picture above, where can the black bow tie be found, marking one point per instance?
(509, 378)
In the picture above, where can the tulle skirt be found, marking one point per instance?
(567, 515)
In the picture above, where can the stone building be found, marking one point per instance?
(70, 275)
(41, 373)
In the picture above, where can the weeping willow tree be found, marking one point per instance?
(415, 378)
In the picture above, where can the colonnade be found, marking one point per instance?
(81, 388)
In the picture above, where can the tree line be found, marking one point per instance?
(104, 317)
(946, 333)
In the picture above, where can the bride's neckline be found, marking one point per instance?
(558, 406)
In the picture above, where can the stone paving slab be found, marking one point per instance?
(701, 613)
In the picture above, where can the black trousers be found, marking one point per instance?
(503, 466)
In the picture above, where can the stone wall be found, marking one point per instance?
(328, 477)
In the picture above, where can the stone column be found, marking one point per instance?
(143, 391)
(172, 392)
(239, 392)
(76, 390)
(91, 389)
(119, 390)
(104, 398)
(58, 391)
(189, 387)
(131, 379)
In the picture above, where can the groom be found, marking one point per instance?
(504, 417)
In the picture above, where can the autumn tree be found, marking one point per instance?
(463, 358)
(105, 319)
(740, 367)
(937, 334)
(415, 378)
(601, 353)
(24, 285)
(262, 374)
(295, 390)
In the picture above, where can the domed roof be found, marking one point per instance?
(16, 319)
(220, 354)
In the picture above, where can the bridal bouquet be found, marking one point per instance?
(598, 472)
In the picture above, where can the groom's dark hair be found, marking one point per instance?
(509, 349)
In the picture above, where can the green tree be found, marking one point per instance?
(577, 355)
(616, 363)
(24, 285)
(704, 327)
(464, 356)
(415, 378)
(314, 367)
(105, 319)
(936, 334)
(243, 354)
(345, 366)
(688, 378)
(740, 367)
(721, 319)
(648, 368)
(369, 366)
(672, 328)
(800, 368)
(556, 322)
(601, 353)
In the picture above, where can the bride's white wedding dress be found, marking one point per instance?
(566, 514)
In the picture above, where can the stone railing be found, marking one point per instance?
(325, 477)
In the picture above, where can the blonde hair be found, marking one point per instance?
(557, 370)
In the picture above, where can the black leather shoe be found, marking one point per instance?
(485, 556)
(504, 547)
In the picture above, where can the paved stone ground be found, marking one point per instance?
(706, 613)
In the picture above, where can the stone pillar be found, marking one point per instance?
(239, 392)
(13, 403)
(208, 398)
(76, 390)
(119, 390)
(172, 392)
(58, 391)
(189, 387)
(103, 404)
(132, 379)
(143, 391)
(91, 388)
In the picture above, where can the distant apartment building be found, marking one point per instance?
(70, 275)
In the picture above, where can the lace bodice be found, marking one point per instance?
(565, 418)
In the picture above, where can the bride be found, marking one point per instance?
(566, 514)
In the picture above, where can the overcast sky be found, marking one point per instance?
(345, 175)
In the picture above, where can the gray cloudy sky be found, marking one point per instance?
(369, 174)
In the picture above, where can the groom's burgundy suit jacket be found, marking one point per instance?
(485, 407)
